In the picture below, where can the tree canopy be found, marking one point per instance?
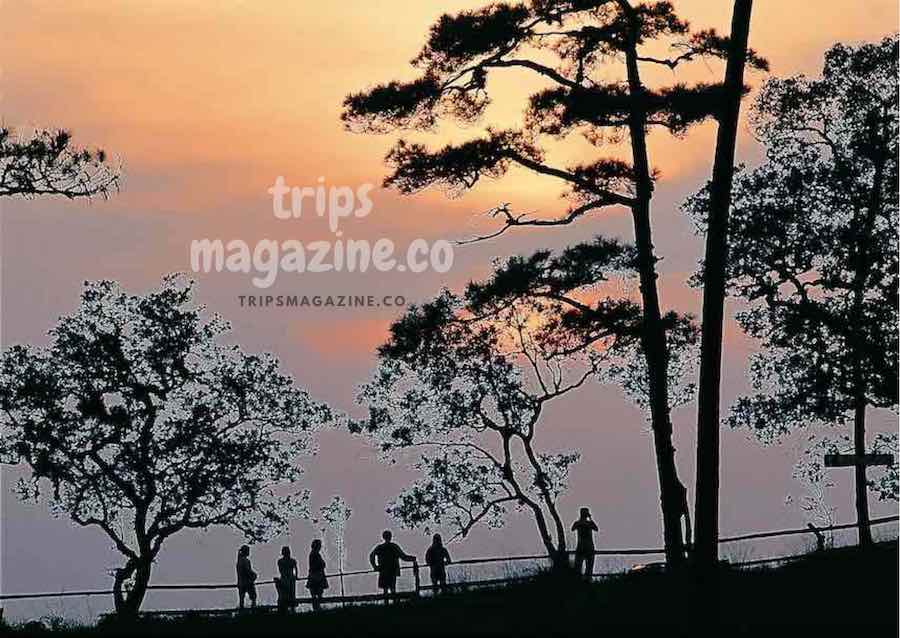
(813, 245)
(802, 222)
(135, 419)
(463, 382)
(569, 44)
(46, 163)
(590, 54)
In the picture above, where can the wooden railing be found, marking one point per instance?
(419, 587)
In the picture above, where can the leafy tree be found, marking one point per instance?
(576, 46)
(46, 163)
(706, 550)
(463, 382)
(813, 250)
(135, 420)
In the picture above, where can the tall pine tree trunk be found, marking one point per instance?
(706, 509)
(653, 342)
(653, 334)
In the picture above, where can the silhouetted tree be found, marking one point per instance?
(813, 249)
(142, 424)
(464, 381)
(575, 289)
(574, 45)
(46, 163)
(706, 510)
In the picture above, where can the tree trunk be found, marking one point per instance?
(862, 495)
(653, 341)
(860, 279)
(561, 554)
(557, 558)
(706, 509)
(128, 603)
(653, 334)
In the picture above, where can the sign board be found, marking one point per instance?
(849, 460)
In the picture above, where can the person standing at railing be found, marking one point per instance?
(584, 529)
(246, 577)
(437, 558)
(316, 581)
(385, 560)
(286, 583)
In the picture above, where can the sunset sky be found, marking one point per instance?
(206, 103)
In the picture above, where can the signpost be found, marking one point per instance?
(859, 460)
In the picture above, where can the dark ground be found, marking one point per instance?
(839, 587)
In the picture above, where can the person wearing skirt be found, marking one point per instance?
(316, 581)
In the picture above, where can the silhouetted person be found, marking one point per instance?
(584, 528)
(385, 559)
(316, 581)
(246, 577)
(437, 558)
(286, 583)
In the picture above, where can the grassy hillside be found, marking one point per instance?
(840, 586)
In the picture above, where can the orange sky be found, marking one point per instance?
(198, 90)
(207, 102)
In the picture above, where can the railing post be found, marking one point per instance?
(416, 578)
